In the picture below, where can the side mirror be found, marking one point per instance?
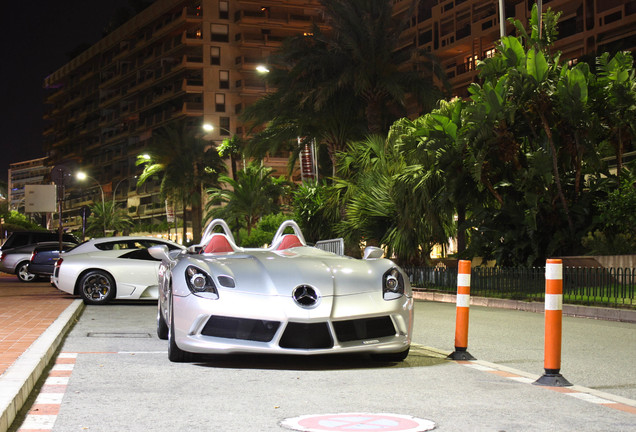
(159, 252)
(372, 252)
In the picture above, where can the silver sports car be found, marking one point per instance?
(289, 298)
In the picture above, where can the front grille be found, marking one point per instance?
(306, 336)
(240, 328)
(365, 328)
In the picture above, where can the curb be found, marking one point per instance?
(608, 314)
(531, 378)
(18, 381)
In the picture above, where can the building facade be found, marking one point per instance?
(31, 172)
(198, 60)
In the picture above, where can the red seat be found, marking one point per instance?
(289, 241)
(218, 244)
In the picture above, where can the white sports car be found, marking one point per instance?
(289, 298)
(109, 268)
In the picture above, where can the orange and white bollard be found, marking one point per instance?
(461, 320)
(553, 325)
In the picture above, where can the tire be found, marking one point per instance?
(97, 287)
(391, 357)
(22, 271)
(162, 327)
(176, 354)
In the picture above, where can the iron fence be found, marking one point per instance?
(581, 285)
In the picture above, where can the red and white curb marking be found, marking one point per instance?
(46, 407)
(359, 422)
(578, 392)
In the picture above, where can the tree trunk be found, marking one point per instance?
(184, 238)
(555, 168)
(461, 232)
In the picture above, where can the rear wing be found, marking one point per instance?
(334, 245)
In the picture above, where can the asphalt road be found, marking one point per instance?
(123, 381)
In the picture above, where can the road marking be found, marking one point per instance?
(44, 411)
(359, 422)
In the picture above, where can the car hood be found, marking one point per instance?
(278, 273)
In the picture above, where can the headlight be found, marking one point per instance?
(200, 282)
(392, 284)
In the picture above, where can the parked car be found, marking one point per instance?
(15, 253)
(118, 243)
(289, 298)
(123, 269)
(44, 257)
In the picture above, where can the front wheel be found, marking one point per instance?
(162, 327)
(22, 271)
(97, 287)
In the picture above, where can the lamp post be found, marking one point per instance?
(83, 176)
(115, 190)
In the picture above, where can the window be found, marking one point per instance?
(220, 33)
(224, 126)
(215, 56)
(490, 53)
(224, 10)
(238, 108)
(224, 79)
(219, 101)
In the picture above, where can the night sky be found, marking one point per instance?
(36, 39)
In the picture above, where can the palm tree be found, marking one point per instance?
(363, 55)
(339, 85)
(186, 163)
(381, 204)
(107, 216)
(252, 195)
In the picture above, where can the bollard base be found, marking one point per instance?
(460, 354)
(552, 380)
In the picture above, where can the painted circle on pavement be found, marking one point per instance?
(358, 422)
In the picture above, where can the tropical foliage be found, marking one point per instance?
(255, 193)
(518, 171)
(107, 217)
(186, 163)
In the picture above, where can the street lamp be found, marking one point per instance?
(115, 190)
(83, 176)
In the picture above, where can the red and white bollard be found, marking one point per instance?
(463, 305)
(553, 325)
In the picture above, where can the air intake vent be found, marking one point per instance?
(239, 328)
(306, 336)
(366, 328)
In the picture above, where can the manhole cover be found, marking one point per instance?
(118, 335)
(359, 422)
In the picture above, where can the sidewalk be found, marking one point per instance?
(34, 318)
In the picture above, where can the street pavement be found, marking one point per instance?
(492, 393)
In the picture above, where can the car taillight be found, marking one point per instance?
(58, 262)
(33, 254)
(2, 255)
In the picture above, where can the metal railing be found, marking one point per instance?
(614, 287)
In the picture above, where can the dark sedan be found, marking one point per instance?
(45, 256)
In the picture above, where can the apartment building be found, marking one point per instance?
(198, 59)
(193, 59)
(460, 32)
(31, 172)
